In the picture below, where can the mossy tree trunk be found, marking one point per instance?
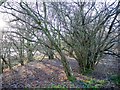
(64, 61)
(29, 52)
(21, 51)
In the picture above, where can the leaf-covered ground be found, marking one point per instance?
(49, 73)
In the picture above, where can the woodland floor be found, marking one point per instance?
(45, 73)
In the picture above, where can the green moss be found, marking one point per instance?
(115, 79)
(94, 83)
(72, 78)
(60, 87)
(87, 72)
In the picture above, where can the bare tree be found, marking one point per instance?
(5, 51)
(2, 1)
(89, 30)
(40, 23)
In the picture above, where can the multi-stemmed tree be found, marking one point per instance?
(40, 24)
(91, 31)
(85, 29)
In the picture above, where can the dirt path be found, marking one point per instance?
(49, 72)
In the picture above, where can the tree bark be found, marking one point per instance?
(29, 52)
(64, 61)
(67, 68)
(51, 54)
(118, 38)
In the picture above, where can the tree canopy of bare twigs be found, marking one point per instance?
(86, 30)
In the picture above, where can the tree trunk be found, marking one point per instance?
(29, 52)
(51, 54)
(0, 65)
(67, 68)
(21, 52)
(70, 52)
(9, 63)
(118, 46)
(3, 61)
(30, 55)
(21, 58)
(21, 61)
